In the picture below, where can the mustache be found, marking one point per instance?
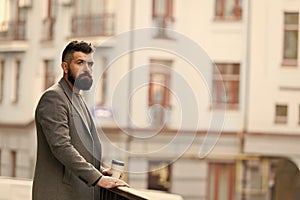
(85, 74)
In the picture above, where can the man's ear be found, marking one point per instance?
(64, 66)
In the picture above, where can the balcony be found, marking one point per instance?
(12, 30)
(93, 25)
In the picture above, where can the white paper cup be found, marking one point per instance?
(117, 168)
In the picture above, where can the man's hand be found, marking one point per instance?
(110, 182)
(107, 172)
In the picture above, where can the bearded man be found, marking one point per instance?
(68, 165)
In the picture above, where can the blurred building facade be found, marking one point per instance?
(154, 108)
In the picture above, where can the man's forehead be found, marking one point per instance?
(78, 55)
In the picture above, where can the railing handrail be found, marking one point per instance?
(22, 190)
(128, 193)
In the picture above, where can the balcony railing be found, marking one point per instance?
(13, 30)
(117, 194)
(93, 25)
(125, 193)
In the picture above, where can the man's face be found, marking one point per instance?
(80, 70)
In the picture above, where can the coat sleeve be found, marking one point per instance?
(52, 114)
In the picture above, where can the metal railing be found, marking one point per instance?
(93, 25)
(13, 30)
(118, 194)
(125, 193)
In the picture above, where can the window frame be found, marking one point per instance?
(164, 88)
(220, 86)
(242, 170)
(157, 68)
(281, 119)
(291, 62)
(164, 20)
(215, 170)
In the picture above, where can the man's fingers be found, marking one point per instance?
(109, 182)
(121, 183)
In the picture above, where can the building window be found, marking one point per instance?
(16, 82)
(254, 176)
(159, 175)
(49, 73)
(48, 22)
(281, 114)
(102, 89)
(159, 92)
(159, 82)
(162, 14)
(226, 84)
(4, 17)
(13, 155)
(2, 63)
(221, 181)
(162, 9)
(290, 46)
(228, 9)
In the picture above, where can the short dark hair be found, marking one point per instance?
(74, 46)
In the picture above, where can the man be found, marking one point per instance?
(69, 150)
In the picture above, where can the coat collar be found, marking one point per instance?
(67, 89)
(71, 95)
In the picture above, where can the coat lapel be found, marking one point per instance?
(92, 131)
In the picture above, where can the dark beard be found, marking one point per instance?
(82, 82)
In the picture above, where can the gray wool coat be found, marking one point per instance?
(69, 150)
